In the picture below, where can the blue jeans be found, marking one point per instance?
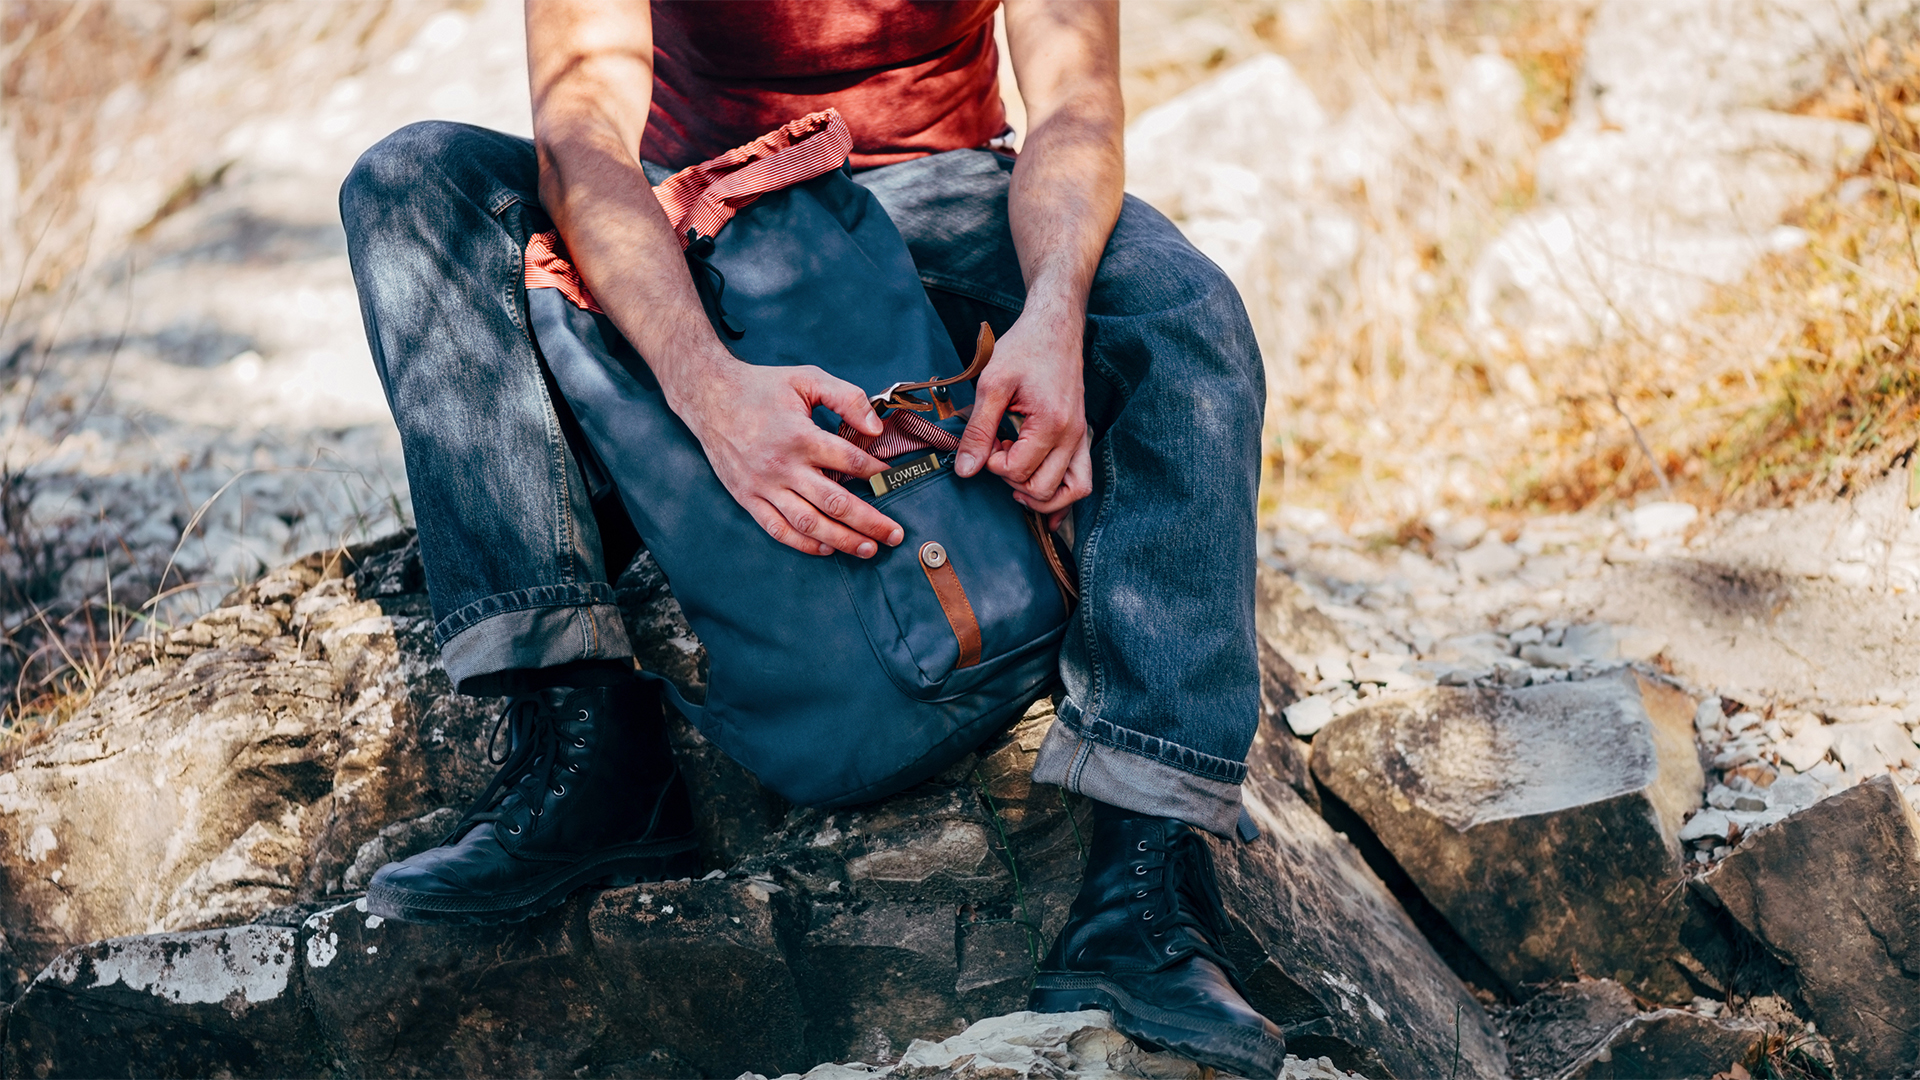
(1162, 689)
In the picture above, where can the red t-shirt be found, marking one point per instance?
(911, 77)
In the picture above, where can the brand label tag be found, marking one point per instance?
(904, 473)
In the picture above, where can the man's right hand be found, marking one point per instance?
(756, 425)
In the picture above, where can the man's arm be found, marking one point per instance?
(1064, 200)
(591, 67)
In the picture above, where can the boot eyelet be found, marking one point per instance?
(559, 791)
(579, 743)
(1140, 894)
(1141, 846)
(538, 810)
(573, 767)
(513, 830)
(1171, 950)
(585, 715)
(1146, 916)
(1140, 870)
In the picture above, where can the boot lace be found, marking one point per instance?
(533, 750)
(1188, 919)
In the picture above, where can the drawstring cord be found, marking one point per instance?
(700, 255)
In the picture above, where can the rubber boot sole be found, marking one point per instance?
(613, 866)
(1255, 1055)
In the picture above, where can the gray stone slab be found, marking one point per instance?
(1542, 822)
(1834, 892)
(204, 1003)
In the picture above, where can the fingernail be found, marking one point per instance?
(965, 464)
(894, 538)
(826, 549)
(866, 550)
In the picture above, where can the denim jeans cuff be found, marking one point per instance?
(518, 636)
(1143, 782)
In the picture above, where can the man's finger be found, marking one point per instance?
(842, 397)
(977, 442)
(1046, 479)
(853, 512)
(824, 451)
(1039, 441)
(1076, 484)
(777, 526)
(810, 520)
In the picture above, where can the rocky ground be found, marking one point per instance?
(1625, 792)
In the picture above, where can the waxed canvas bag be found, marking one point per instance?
(834, 679)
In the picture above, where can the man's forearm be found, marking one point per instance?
(592, 76)
(1062, 204)
(1066, 190)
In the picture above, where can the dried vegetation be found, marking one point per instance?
(92, 156)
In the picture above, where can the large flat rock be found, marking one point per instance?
(1331, 956)
(1834, 892)
(260, 764)
(1543, 822)
(207, 1003)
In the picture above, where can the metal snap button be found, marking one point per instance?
(933, 555)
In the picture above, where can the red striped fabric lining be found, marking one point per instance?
(705, 197)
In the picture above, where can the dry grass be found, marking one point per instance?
(1801, 379)
(1797, 380)
(94, 151)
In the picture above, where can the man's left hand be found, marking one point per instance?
(1036, 375)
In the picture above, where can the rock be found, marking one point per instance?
(1708, 824)
(1794, 793)
(275, 752)
(1490, 559)
(1543, 823)
(1657, 521)
(1834, 893)
(1674, 1045)
(241, 761)
(1870, 747)
(1307, 716)
(1329, 955)
(1807, 746)
(1042, 1046)
(207, 1003)
(1556, 1027)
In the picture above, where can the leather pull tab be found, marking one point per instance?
(1249, 832)
(953, 601)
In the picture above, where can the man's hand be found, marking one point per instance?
(1061, 205)
(1035, 375)
(755, 425)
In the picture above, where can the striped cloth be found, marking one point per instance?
(704, 197)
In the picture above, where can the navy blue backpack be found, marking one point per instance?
(835, 680)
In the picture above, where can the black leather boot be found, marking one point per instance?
(588, 794)
(1143, 942)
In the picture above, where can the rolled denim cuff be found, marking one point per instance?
(1142, 773)
(527, 629)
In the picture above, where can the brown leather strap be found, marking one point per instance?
(1062, 576)
(953, 601)
(899, 395)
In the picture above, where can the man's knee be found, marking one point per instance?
(421, 161)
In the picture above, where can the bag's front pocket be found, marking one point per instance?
(967, 590)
